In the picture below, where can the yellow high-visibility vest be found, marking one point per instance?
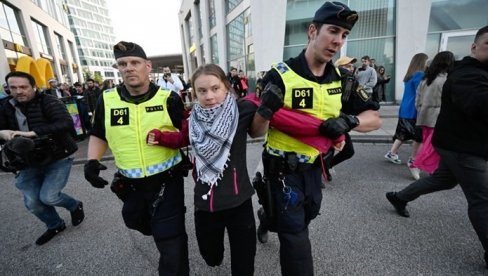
(322, 101)
(126, 129)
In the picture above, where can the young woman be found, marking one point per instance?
(379, 94)
(218, 129)
(406, 129)
(428, 104)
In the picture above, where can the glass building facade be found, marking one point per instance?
(34, 30)
(90, 22)
(390, 31)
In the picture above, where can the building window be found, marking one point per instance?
(231, 4)
(214, 49)
(41, 38)
(10, 29)
(236, 38)
(211, 13)
(61, 51)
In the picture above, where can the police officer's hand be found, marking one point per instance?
(271, 101)
(92, 171)
(335, 127)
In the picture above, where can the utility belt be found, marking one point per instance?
(122, 186)
(279, 165)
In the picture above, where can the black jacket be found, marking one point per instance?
(462, 125)
(47, 117)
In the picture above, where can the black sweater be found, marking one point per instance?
(462, 125)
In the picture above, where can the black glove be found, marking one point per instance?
(92, 170)
(335, 127)
(271, 101)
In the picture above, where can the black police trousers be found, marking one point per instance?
(165, 222)
(241, 228)
(292, 220)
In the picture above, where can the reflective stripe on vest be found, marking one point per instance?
(126, 128)
(322, 101)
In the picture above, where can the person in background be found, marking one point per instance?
(107, 84)
(91, 94)
(460, 138)
(82, 106)
(54, 89)
(65, 90)
(235, 81)
(428, 104)
(5, 92)
(346, 63)
(379, 92)
(312, 85)
(170, 81)
(149, 179)
(366, 75)
(373, 64)
(406, 128)
(42, 171)
(244, 84)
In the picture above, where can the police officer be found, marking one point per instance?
(311, 84)
(148, 179)
(39, 131)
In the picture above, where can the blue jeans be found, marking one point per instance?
(42, 188)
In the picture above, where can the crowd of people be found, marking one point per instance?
(305, 109)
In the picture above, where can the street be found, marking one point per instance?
(357, 233)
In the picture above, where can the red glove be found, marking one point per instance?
(172, 139)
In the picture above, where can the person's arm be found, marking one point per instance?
(96, 148)
(369, 120)
(259, 126)
(179, 118)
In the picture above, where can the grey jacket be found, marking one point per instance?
(428, 101)
(367, 78)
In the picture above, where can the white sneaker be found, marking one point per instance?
(413, 170)
(393, 158)
(332, 171)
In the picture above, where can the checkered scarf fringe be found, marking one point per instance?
(212, 131)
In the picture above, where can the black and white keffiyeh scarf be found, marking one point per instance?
(212, 131)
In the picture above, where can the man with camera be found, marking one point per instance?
(170, 81)
(38, 132)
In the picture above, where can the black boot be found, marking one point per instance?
(77, 215)
(49, 234)
(400, 205)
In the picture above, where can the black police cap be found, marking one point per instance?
(336, 13)
(128, 49)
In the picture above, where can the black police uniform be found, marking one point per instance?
(292, 223)
(144, 210)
